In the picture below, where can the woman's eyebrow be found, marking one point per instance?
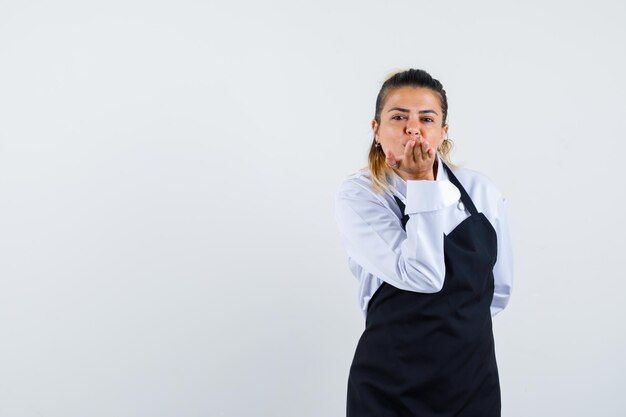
(399, 109)
(408, 111)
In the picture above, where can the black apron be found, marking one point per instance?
(424, 355)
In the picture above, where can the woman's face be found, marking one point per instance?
(408, 113)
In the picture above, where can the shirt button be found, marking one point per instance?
(461, 206)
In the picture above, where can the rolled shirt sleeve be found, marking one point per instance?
(411, 260)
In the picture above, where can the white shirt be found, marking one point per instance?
(380, 250)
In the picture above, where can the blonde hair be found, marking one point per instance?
(381, 173)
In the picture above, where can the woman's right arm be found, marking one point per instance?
(373, 236)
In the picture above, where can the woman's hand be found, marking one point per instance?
(417, 161)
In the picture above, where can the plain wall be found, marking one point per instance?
(167, 174)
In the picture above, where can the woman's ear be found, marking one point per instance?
(445, 130)
(375, 129)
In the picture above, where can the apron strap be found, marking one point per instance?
(405, 217)
(465, 198)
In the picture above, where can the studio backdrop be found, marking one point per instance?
(167, 181)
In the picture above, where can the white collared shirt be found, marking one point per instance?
(380, 250)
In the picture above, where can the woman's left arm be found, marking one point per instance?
(503, 269)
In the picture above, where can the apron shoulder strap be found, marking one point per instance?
(405, 217)
(465, 198)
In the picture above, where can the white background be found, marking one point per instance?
(167, 173)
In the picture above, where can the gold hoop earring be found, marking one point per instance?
(444, 141)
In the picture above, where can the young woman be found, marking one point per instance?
(431, 250)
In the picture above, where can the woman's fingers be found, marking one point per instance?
(416, 157)
(409, 151)
(425, 149)
(391, 159)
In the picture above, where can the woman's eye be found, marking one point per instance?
(398, 117)
(428, 119)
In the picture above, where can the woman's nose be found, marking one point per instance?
(412, 128)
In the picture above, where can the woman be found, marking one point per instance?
(432, 253)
